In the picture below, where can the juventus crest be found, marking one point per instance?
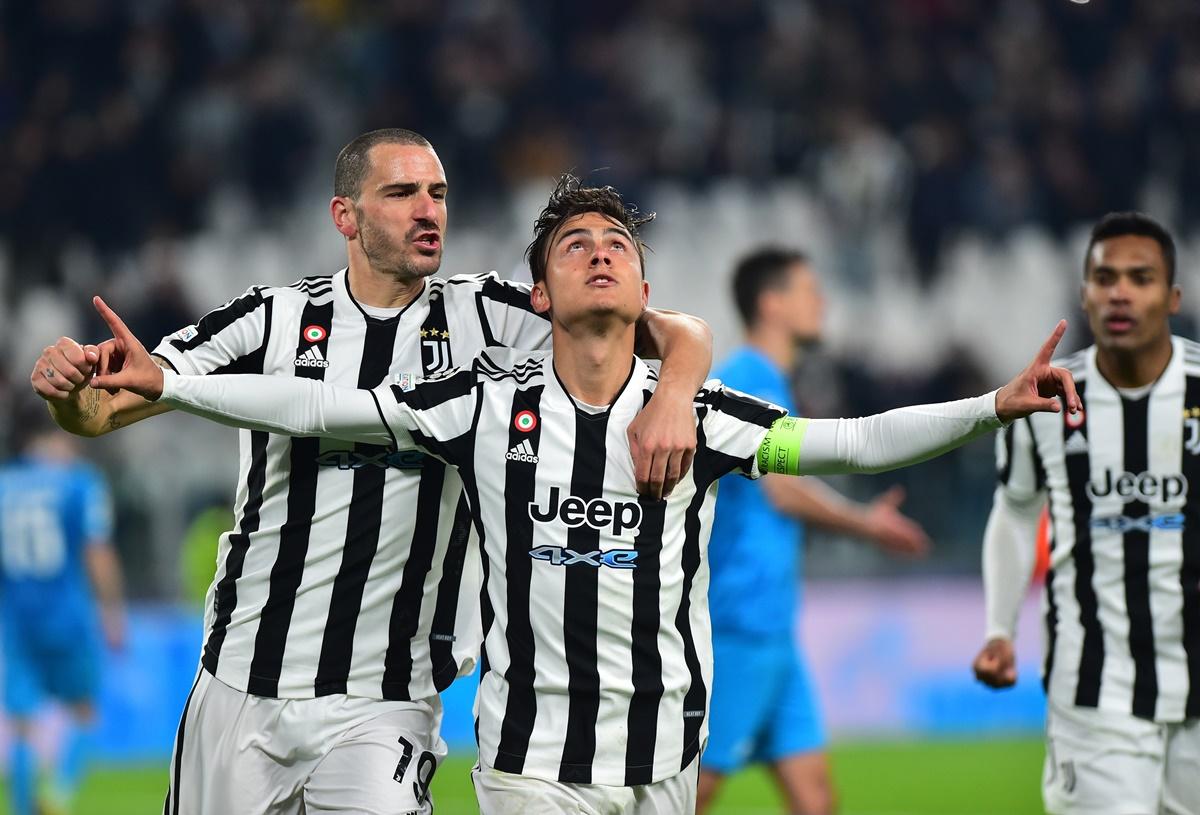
(435, 350)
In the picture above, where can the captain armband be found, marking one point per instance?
(780, 448)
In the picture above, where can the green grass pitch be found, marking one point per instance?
(951, 777)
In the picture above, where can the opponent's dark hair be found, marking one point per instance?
(759, 271)
(1118, 224)
(354, 161)
(571, 198)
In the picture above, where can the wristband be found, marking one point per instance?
(780, 448)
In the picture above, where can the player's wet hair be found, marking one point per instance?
(571, 198)
(1119, 224)
(354, 163)
(759, 271)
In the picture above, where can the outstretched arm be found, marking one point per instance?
(910, 435)
(290, 406)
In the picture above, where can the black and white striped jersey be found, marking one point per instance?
(1122, 601)
(597, 658)
(347, 570)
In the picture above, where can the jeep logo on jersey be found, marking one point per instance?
(613, 558)
(1144, 487)
(596, 513)
(380, 458)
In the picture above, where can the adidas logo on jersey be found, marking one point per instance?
(1075, 444)
(522, 452)
(311, 358)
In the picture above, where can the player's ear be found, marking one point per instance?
(645, 294)
(1174, 299)
(539, 297)
(345, 218)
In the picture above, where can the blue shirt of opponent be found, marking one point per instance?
(49, 512)
(754, 552)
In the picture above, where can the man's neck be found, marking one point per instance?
(378, 289)
(593, 359)
(1134, 369)
(777, 346)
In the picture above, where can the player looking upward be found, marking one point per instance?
(763, 700)
(1122, 601)
(596, 660)
(345, 598)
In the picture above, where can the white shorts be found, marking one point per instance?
(1104, 763)
(239, 754)
(503, 793)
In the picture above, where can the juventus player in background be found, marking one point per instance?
(345, 597)
(1122, 669)
(596, 660)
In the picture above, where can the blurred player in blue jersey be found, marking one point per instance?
(60, 595)
(763, 702)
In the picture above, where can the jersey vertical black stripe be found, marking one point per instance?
(225, 594)
(288, 570)
(705, 470)
(647, 658)
(520, 477)
(441, 633)
(1136, 545)
(1189, 573)
(582, 605)
(362, 528)
(406, 606)
(1091, 660)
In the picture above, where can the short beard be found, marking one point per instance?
(387, 258)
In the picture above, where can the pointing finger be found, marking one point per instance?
(1047, 351)
(115, 323)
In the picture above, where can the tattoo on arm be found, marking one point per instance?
(89, 404)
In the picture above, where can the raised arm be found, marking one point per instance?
(662, 437)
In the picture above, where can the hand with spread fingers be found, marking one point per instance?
(123, 362)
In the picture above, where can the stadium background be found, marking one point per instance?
(940, 159)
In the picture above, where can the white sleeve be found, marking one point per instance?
(896, 438)
(284, 405)
(1010, 539)
(1009, 554)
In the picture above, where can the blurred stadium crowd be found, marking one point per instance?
(119, 121)
(920, 148)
